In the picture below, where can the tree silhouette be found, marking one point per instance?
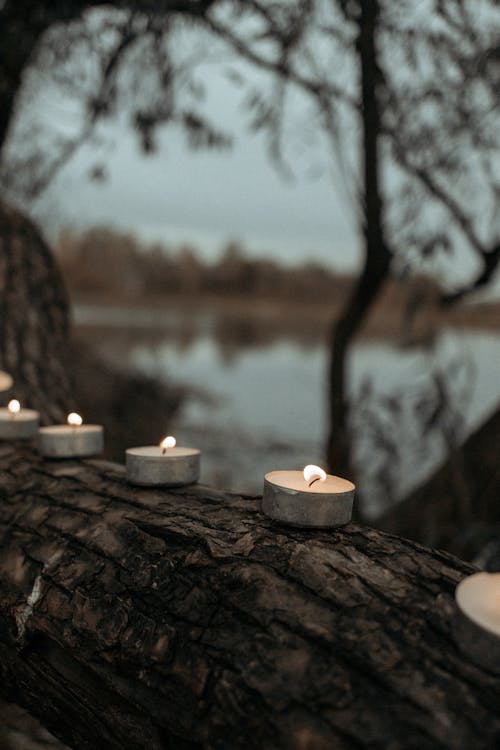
(404, 95)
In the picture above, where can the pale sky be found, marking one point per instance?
(209, 197)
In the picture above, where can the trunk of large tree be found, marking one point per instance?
(377, 257)
(34, 334)
(184, 619)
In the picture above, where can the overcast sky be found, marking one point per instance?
(209, 197)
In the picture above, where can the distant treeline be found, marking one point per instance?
(115, 266)
(106, 261)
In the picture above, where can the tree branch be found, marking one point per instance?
(489, 257)
(279, 66)
(491, 262)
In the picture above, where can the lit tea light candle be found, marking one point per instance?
(477, 621)
(14, 407)
(17, 423)
(166, 464)
(310, 498)
(166, 443)
(74, 419)
(5, 381)
(72, 439)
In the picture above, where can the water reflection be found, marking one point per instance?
(260, 393)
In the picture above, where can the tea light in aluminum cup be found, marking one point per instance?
(310, 498)
(5, 381)
(17, 423)
(165, 464)
(71, 440)
(476, 628)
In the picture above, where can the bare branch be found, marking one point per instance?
(317, 89)
(491, 262)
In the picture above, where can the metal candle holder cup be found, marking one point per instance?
(476, 624)
(287, 498)
(17, 423)
(149, 466)
(71, 440)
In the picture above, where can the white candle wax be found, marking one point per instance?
(478, 596)
(152, 465)
(5, 381)
(477, 624)
(294, 480)
(67, 441)
(290, 498)
(19, 425)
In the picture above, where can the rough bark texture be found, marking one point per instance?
(34, 343)
(184, 619)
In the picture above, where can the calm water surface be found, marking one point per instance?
(259, 407)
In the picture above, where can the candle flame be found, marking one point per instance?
(14, 406)
(168, 442)
(313, 474)
(74, 419)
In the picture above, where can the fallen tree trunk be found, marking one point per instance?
(184, 619)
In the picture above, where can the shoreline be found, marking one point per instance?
(387, 321)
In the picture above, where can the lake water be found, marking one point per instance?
(260, 407)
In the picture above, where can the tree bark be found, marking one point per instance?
(34, 313)
(377, 256)
(184, 619)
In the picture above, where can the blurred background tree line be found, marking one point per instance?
(107, 261)
(402, 97)
(107, 264)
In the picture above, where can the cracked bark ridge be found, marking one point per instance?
(138, 618)
(34, 341)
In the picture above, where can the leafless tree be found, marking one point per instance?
(404, 93)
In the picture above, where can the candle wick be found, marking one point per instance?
(163, 451)
(316, 479)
